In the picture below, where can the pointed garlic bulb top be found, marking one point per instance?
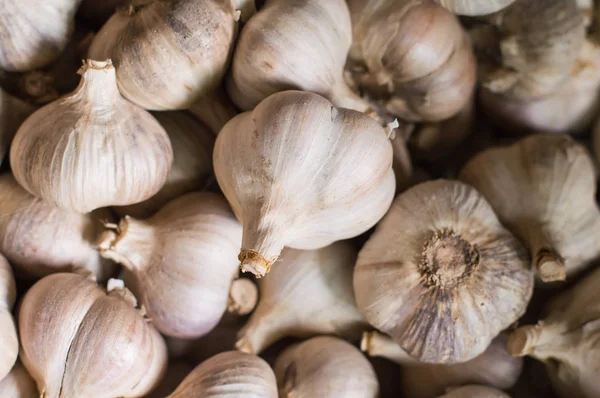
(302, 173)
(309, 292)
(546, 198)
(474, 7)
(229, 374)
(474, 391)
(439, 267)
(325, 367)
(79, 340)
(91, 148)
(18, 384)
(13, 112)
(9, 343)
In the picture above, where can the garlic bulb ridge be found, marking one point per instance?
(9, 343)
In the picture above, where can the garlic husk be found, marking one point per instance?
(411, 58)
(150, 39)
(183, 259)
(325, 367)
(176, 372)
(214, 109)
(546, 199)
(95, 13)
(18, 384)
(474, 391)
(78, 340)
(91, 148)
(39, 239)
(232, 374)
(308, 293)
(439, 266)
(294, 44)
(34, 33)
(13, 112)
(296, 163)
(9, 343)
(192, 144)
(474, 7)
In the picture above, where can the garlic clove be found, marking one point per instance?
(325, 367)
(91, 148)
(9, 343)
(474, 7)
(474, 391)
(243, 297)
(232, 374)
(18, 384)
(294, 164)
(451, 273)
(309, 292)
(13, 112)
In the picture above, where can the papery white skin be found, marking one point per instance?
(9, 343)
(18, 384)
(474, 7)
(474, 391)
(13, 112)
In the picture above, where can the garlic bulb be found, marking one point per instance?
(34, 32)
(79, 340)
(325, 367)
(474, 391)
(214, 109)
(13, 112)
(229, 374)
(152, 38)
(439, 266)
(192, 144)
(183, 260)
(92, 148)
(296, 163)
(9, 343)
(294, 44)
(18, 384)
(474, 7)
(309, 292)
(411, 58)
(546, 198)
(176, 372)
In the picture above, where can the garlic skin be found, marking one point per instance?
(439, 266)
(474, 391)
(78, 340)
(474, 7)
(214, 110)
(294, 164)
(183, 260)
(228, 375)
(308, 293)
(91, 148)
(325, 367)
(13, 112)
(546, 199)
(18, 384)
(33, 32)
(190, 37)
(9, 343)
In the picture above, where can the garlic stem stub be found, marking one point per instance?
(18, 384)
(302, 173)
(9, 342)
(13, 112)
(91, 148)
(441, 275)
(474, 7)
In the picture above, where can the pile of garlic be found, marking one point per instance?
(227, 195)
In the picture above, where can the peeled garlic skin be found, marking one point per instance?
(474, 7)
(9, 343)
(230, 374)
(18, 384)
(474, 391)
(301, 173)
(13, 112)
(325, 367)
(440, 275)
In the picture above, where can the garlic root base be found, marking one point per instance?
(254, 262)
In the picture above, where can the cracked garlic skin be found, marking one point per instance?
(294, 164)
(230, 374)
(411, 58)
(151, 39)
(18, 384)
(546, 199)
(474, 391)
(13, 112)
(441, 275)
(91, 148)
(308, 293)
(474, 7)
(9, 343)
(80, 340)
(325, 367)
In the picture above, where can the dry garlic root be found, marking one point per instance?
(9, 343)
(474, 7)
(13, 112)
(296, 163)
(18, 384)
(546, 198)
(439, 266)
(474, 391)
(307, 293)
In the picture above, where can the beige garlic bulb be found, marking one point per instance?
(474, 7)
(296, 163)
(92, 148)
(229, 374)
(79, 340)
(546, 198)
(439, 267)
(151, 39)
(9, 343)
(34, 32)
(192, 144)
(18, 384)
(13, 112)
(411, 58)
(325, 367)
(183, 260)
(214, 110)
(309, 292)
(474, 391)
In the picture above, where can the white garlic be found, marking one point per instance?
(18, 384)
(9, 343)
(13, 112)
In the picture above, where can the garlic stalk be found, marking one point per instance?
(92, 148)
(308, 293)
(231, 373)
(474, 7)
(296, 163)
(9, 343)
(474, 391)
(546, 198)
(214, 109)
(13, 112)
(18, 384)
(183, 260)
(325, 367)
(439, 266)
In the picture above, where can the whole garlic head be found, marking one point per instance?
(440, 275)
(9, 343)
(18, 384)
(474, 7)
(91, 148)
(302, 173)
